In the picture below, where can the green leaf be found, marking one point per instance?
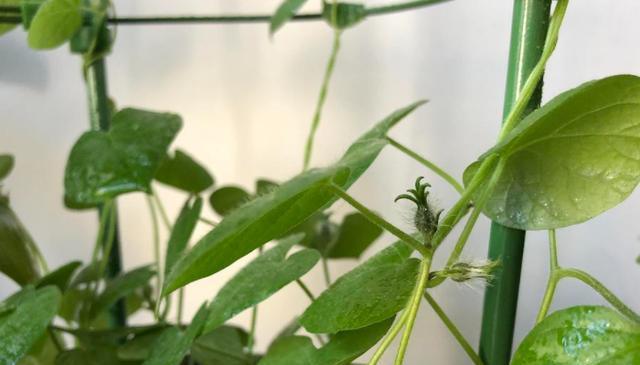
(343, 348)
(17, 260)
(55, 22)
(227, 199)
(260, 279)
(184, 173)
(319, 232)
(140, 346)
(44, 352)
(6, 161)
(5, 28)
(103, 165)
(172, 345)
(274, 214)
(120, 287)
(370, 293)
(93, 356)
(579, 336)
(356, 234)
(60, 277)
(264, 186)
(287, 331)
(182, 231)
(223, 346)
(346, 14)
(572, 159)
(21, 329)
(286, 11)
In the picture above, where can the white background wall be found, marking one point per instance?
(247, 102)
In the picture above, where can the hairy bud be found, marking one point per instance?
(425, 219)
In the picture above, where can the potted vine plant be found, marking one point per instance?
(558, 165)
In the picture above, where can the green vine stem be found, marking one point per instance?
(252, 329)
(536, 74)
(453, 329)
(380, 222)
(156, 253)
(326, 272)
(558, 273)
(107, 244)
(388, 339)
(322, 97)
(414, 305)
(208, 222)
(163, 212)
(306, 290)
(428, 164)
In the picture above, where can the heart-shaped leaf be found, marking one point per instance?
(583, 335)
(274, 214)
(286, 11)
(343, 348)
(570, 160)
(372, 292)
(21, 329)
(6, 163)
(55, 22)
(182, 231)
(103, 165)
(260, 279)
(182, 172)
(356, 234)
(17, 260)
(226, 199)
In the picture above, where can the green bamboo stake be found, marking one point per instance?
(100, 118)
(528, 32)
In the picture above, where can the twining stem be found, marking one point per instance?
(156, 253)
(413, 307)
(306, 290)
(108, 239)
(428, 164)
(322, 97)
(180, 305)
(536, 74)
(454, 330)
(552, 282)
(558, 273)
(380, 222)
(601, 289)
(388, 339)
(326, 272)
(104, 220)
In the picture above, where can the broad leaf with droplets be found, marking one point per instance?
(570, 160)
(583, 335)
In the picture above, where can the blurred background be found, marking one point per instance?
(247, 102)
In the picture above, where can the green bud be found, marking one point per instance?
(425, 218)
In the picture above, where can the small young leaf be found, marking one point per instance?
(184, 173)
(182, 231)
(343, 348)
(370, 293)
(59, 277)
(284, 13)
(346, 14)
(273, 215)
(260, 279)
(6, 161)
(579, 336)
(223, 346)
(103, 165)
(172, 345)
(21, 329)
(228, 198)
(356, 234)
(570, 160)
(120, 287)
(17, 260)
(55, 22)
